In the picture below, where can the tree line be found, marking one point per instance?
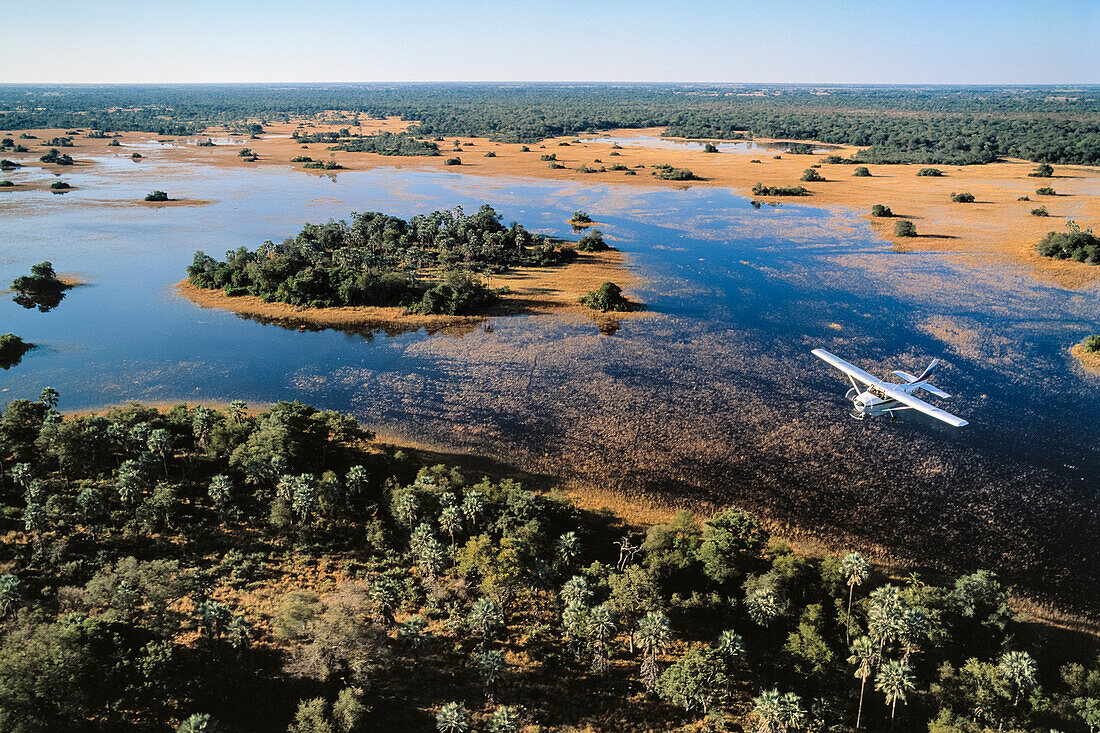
(948, 125)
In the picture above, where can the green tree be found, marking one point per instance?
(348, 712)
(312, 717)
(452, 718)
(1020, 670)
(855, 570)
(654, 635)
(504, 719)
(10, 594)
(864, 656)
(895, 680)
(490, 666)
(732, 543)
(49, 396)
(696, 680)
(905, 228)
(198, 723)
(220, 491)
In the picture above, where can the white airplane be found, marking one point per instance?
(880, 398)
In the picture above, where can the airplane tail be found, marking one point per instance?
(928, 372)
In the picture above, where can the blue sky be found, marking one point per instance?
(964, 41)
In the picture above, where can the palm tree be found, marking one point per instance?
(855, 570)
(236, 411)
(220, 490)
(9, 594)
(894, 680)
(160, 442)
(452, 718)
(575, 591)
(568, 547)
(601, 629)
(490, 667)
(504, 719)
(1019, 668)
(730, 645)
(198, 723)
(654, 634)
(914, 631)
(863, 656)
(473, 504)
(450, 521)
(763, 606)
(356, 479)
(767, 707)
(484, 619)
(407, 506)
(790, 713)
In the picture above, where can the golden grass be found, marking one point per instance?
(1089, 360)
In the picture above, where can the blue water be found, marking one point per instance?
(716, 397)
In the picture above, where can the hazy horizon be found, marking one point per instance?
(982, 43)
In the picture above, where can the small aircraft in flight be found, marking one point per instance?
(880, 398)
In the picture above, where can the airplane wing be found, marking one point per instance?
(920, 405)
(850, 369)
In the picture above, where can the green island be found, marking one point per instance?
(12, 349)
(42, 289)
(234, 570)
(428, 264)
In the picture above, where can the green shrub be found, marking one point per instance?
(581, 217)
(6, 184)
(861, 172)
(962, 198)
(761, 190)
(880, 210)
(668, 173)
(592, 242)
(490, 154)
(1077, 244)
(1091, 344)
(1041, 211)
(811, 175)
(607, 298)
(59, 186)
(710, 148)
(551, 156)
(157, 196)
(905, 228)
(301, 159)
(1046, 191)
(453, 161)
(1045, 170)
(933, 172)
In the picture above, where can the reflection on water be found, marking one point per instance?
(716, 398)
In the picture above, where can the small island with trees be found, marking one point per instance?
(42, 289)
(12, 349)
(1088, 353)
(381, 267)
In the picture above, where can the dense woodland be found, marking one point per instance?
(949, 125)
(425, 264)
(227, 570)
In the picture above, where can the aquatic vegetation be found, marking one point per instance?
(580, 217)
